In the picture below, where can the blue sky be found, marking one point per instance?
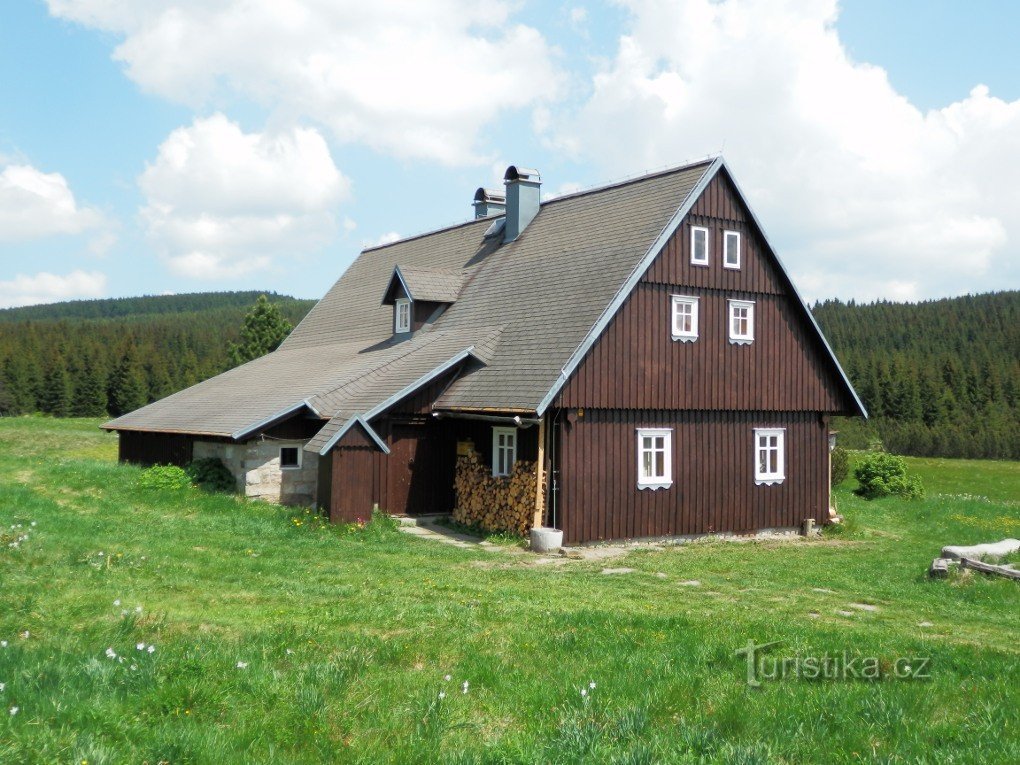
(187, 146)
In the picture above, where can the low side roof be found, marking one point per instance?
(280, 383)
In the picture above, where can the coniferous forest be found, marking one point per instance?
(939, 378)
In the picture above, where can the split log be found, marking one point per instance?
(988, 568)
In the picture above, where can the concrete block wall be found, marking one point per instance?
(256, 467)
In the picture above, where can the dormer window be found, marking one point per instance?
(401, 316)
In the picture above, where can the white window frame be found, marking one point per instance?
(695, 230)
(735, 338)
(655, 482)
(291, 467)
(497, 449)
(675, 303)
(401, 320)
(770, 477)
(727, 250)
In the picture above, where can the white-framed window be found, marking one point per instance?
(290, 457)
(504, 450)
(741, 321)
(699, 245)
(685, 318)
(402, 315)
(731, 249)
(654, 458)
(769, 456)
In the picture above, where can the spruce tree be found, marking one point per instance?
(263, 330)
(127, 390)
(89, 392)
(55, 395)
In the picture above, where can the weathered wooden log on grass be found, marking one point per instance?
(940, 568)
(989, 568)
(974, 552)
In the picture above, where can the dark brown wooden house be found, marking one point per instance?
(640, 344)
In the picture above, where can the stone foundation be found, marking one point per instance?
(256, 467)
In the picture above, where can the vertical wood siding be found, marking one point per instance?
(713, 475)
(636, 364)
(155, 448)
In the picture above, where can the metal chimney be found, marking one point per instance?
(523, 194)
(489, 202)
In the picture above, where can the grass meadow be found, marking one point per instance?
(277, 639)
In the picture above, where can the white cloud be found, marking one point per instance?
(414, 79)
(863, 193)
(51, 288)
(34, 204)
(222, 203)
(388, 238)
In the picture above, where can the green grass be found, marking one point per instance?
(347, 635)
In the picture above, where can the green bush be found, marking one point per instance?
(881, 474)
(164, 477)
(840, 465)
(212, 475)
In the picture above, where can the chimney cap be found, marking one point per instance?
(495, 196)
(514, 173)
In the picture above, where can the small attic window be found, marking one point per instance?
(402, 315)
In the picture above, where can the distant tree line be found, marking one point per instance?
(108, 357)
(939, 378)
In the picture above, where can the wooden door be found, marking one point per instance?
(419, 470)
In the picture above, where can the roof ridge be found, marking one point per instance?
(707, 159)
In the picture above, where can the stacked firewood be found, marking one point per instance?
(494, 503)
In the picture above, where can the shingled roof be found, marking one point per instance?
(525, 311)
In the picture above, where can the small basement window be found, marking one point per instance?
(290, 457)
(402, 315)
(741, 321)
(504, 450)
(699, 245)
(769, 456)
(655, 458)
(685, 318)
(731, 249)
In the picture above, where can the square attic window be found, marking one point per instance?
(290, 457)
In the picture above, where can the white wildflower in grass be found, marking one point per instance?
(584, 691)
(134, 667)
(464, 688)
(33, 523)
(14, 711)
(100, 553)
(151, 649)
(289, 652)
(26, 634)
(116, 602)
(3, 643)
(448, 678)
(592, 685)
(140, 647)
(138, 609)
(111, 654)
(242, 665)
(2, 686)
(442, 694)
